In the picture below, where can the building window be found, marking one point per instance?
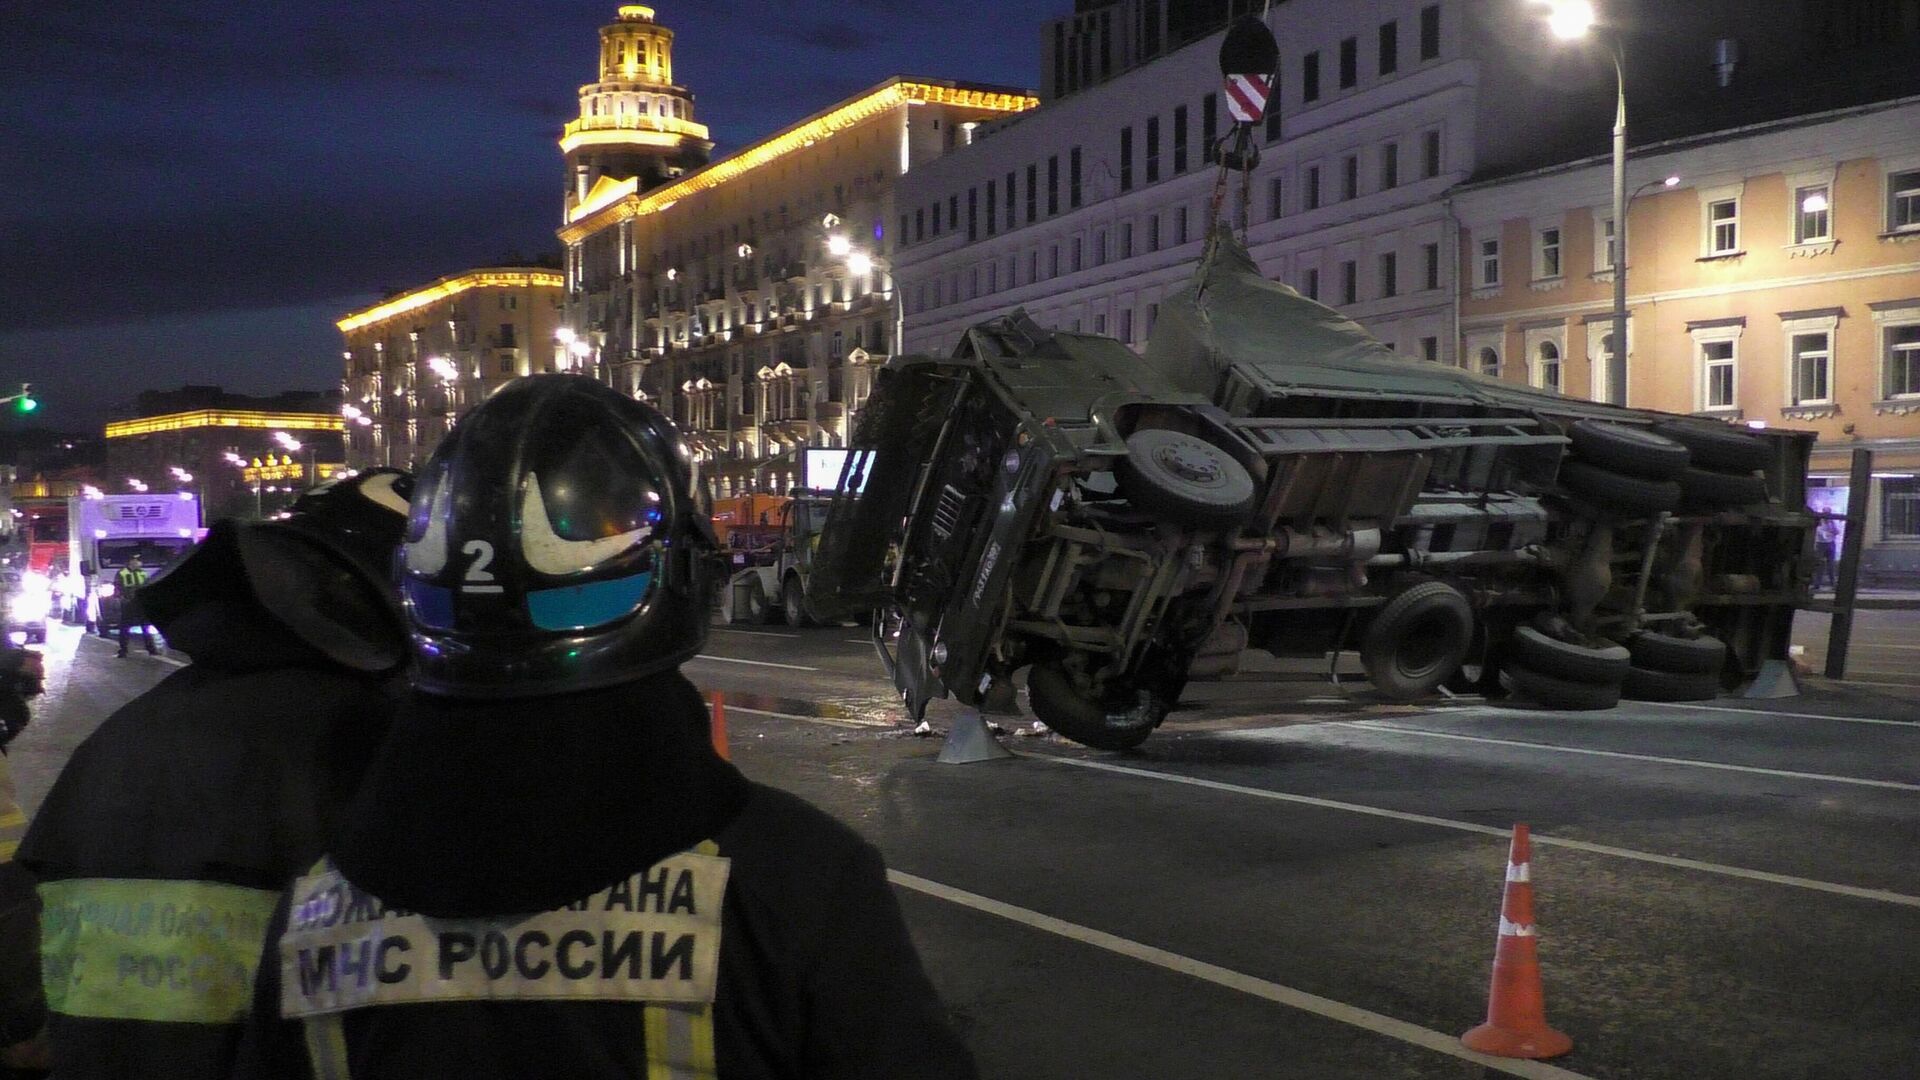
(1430, 32)
(1126, 159)
(1900, 509)
(1179, 139)
(1126, 239)
(1180, 226)
(1153, 232)
(993, 286)
(1153, 150)
(1723, 227)
(1813, 214)
(1903, 201)
(1073, 177)
(1546, 369)
(1430, 256)
(1310, 77)
(1209, 127)
(1273, 123)
(1389, 48)
(1349, 63)
(1313, 187)
(1033, 266)
(973, 214)
(1430, 349)
(1350, 178)
(1716, 374)
(1012, 219)
(1100, 248)
(1389, 275)
(993, 202)
(1430, 155)
(1100, 323)
(1126, 325)
(1275, 191)
(1053, 261)
(1349, 282)
(1489, 363)
(1812, 369)
(1603, 250)
(919, 224)
(1902, 362)
(1389, 166)
(1074, 262)
(1547, 255)
(1033, 189)
(1310, 283)
(1489, 263)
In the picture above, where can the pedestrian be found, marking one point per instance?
(1826, 543)
(129, 583)
(553, 759)
(166, 840)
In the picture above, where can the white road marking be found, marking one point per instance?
(171, 660)
(758, 633)
(1793, 715)
(1327, 1008)
(1374, 725)
(834, 721)
(1884, 896)
(755, 663)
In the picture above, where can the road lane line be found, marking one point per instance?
(758, 633)
(833, 721)
(1327, 1008)
(1374, 725)
(1915, 725)
(1884, 896)
(754, 663)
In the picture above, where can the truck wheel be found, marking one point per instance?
(793, 603)
(1417, 640)
(1682, 656)
(1550, 692)
(1551, 656)
(1630, 450)
(759, 608)
(1186, 480)
(1063, 705)
(1701, 487)
(1716, 446)
(1645, 684)
(1628, 496)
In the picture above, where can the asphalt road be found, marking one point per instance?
(1291, 880)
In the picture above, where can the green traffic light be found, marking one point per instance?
(26, 404)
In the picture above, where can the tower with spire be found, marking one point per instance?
(634, 124)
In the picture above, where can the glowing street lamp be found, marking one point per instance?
(859, 264)
(443, 367)
(839, 246)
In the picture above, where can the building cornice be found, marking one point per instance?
(451, 285)
(225, 418)
(897, 92)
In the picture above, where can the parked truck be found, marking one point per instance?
(103, 532)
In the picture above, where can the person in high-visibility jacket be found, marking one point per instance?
(549, 871)
(165, 842)
(129, 585)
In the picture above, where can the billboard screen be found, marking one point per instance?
(822, 468)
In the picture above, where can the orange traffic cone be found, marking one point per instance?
(1516, 1010)
(720, 725)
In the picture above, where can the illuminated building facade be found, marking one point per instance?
(634, 124)
(751, 299)
(414, 360)
(215, 444)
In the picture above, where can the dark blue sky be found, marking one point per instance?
(195, 191)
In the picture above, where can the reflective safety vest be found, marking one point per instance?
(131, 579)
(13, 820)
(133, 949)
(652, 939)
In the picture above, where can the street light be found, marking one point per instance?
(293, 445)
(1571, 20)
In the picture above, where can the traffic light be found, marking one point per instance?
(25, 402)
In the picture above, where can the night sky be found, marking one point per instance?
(193, 193)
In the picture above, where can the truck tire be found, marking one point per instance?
(1628, 496)
(793, 603)
(1061, 704)
(1630, 450)
(1681, 656)
(1718, 447)
(1562, 660)
(1417, 641)
(1645, 684)
(1703, 487)
(1550, 692)
(759, 606)
(1186, 480)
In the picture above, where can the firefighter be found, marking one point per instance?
(165, 842)
(553, 760)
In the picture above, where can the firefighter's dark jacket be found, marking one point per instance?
(483, 809)
(229, 777)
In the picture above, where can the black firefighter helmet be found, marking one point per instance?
(555, 545)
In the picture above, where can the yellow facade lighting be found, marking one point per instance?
(665, 131)
(889, 95)
(636, 11)
(322, 472)
(451, 286)
(225, 418)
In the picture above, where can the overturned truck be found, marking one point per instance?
(1268, 476)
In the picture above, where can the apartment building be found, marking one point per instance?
(1776, 283)
(752, 298)
(414, 360)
